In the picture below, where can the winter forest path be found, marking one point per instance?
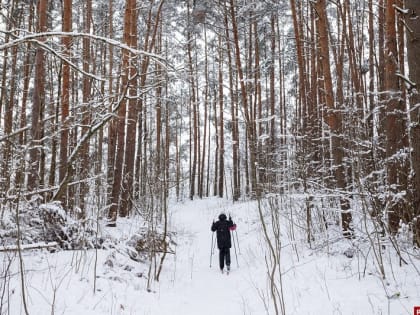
(314, 281)
(190, 286)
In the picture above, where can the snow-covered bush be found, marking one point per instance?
(49, 223)
(146, 242)
(58, 226)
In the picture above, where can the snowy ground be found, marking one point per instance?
(314, 281)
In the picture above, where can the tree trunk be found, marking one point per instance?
(413, 53)
(249, 123)
(121, 123)
(37, 102)
(272, 99)
(221, 129)
(206, 106)
(132, 112)
(65, 95)
(112, 128)
(234, 113)
(5, 166)
(27, 68)
(332, 117)
(10, 87)
(396, 133)
(261, 165)
(86, 116)
(194, 118)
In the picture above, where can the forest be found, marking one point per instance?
(112, 110)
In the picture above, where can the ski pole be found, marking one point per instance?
(237, 241)
(236, 233)
(211, 247)
(214, 244)
(234, 247)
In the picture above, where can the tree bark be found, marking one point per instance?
(194, 117)
(413, 53)
(65, 94)
(332, 118)
(249, 123)
(119, 166)
(132, 113)
(396, 142)
(86, 111)
(234, 113)
(37, 102)
(221, 133)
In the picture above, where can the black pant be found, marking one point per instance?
(224, 253)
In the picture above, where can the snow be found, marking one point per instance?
(321, 280)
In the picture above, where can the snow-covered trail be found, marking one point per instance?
(315, 282)
(190, 285)
(62, 282)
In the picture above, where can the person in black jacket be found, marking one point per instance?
(222, 228)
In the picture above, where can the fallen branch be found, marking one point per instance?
(13, 248)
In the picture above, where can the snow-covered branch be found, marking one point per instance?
(35, 37)
(410, 84)
(64, 183)
(401, 10)
(13, 248)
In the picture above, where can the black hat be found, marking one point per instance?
(222, 217)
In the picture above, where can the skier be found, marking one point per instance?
(222, 227)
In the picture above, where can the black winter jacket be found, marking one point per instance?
(222, 231)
